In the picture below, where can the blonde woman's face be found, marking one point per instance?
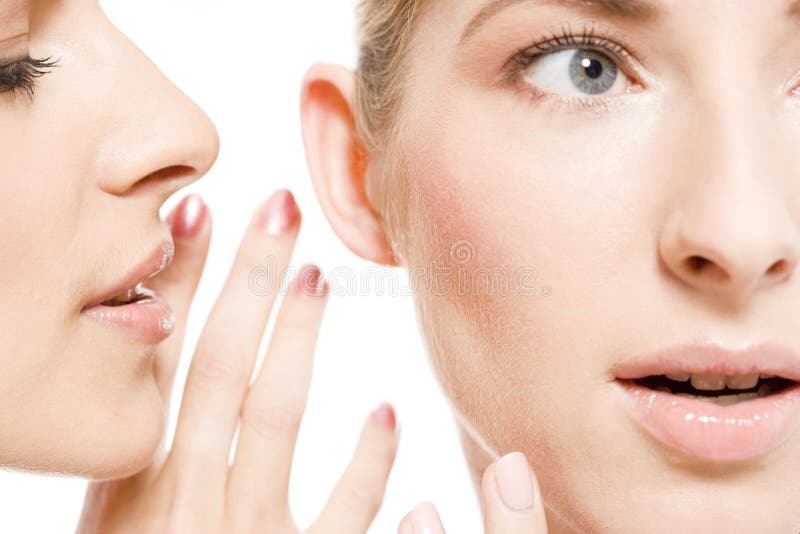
(630, 184)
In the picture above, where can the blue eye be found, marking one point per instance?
(575, 72)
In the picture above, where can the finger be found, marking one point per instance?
(511, 498)
(190, 223)
(405, 525)
(272, 412)
(358, 495)
(226, 351)
(423, 519)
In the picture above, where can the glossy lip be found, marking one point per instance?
(158, 260)
(740, 431)
(150, 320)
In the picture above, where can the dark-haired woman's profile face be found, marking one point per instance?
(95, 139)
(638, 160)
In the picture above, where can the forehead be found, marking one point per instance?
(470, 15)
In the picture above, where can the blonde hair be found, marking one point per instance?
(385, 28)
(385, 35)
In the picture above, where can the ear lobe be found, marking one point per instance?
(337, 163)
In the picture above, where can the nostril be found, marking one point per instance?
(171, 172)
(778, 268)
(698, 265)
(167, 180)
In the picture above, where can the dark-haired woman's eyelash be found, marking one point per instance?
(22, 75)
(567, 39)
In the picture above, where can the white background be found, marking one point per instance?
(243, 61)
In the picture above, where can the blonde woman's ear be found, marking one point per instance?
(337, 163)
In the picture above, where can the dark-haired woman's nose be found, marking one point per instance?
(732, 236)
(156, 140)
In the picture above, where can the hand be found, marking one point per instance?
(510, 497)
(192, 487)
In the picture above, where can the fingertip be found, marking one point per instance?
(310, 281)
(279, 214)
(384, 415)
(515, 481)
(188, 218)
(405, 525)
(384, 418)
(511, 497)
(425, 519)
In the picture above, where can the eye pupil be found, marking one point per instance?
(592, 72)
(593, 68)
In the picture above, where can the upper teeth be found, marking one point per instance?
(128, 296)
(716, 382)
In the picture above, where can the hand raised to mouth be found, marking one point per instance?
(192, 487)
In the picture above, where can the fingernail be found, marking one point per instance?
(384, 415)
(405, 525)
(309, 281)
(188, 217)
(279, 213)
(514, 481)
(425, 519)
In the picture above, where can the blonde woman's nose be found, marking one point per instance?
(732, 225)
(731, 242)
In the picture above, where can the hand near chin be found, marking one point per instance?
(192, 487)
(510, 497)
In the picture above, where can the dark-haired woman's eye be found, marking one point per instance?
(22, 75)
(575, 72)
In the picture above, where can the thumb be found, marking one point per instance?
(423, 519)
(512, 502)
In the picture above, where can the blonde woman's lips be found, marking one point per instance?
(130, 309)
(713, 403)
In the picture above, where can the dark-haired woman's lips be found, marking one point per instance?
(715, 404)
(130, 309)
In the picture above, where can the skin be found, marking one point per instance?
(60, 371)
(606, 197)
(192, 487)
(84, 175)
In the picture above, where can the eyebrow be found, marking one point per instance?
(625, 9)
(639, 10)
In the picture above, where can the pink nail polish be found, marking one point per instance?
(309, 281)
(188, 217)
(514, 481)
(384, 415)
(425, 519)
(280, 213)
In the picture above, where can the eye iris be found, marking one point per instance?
(592, 72)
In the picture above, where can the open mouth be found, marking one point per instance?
(138, 312)
(717, 388)
(714, 403)
(132, 309)
(135, 295)
(130, 290)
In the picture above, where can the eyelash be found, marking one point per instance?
(22, 75)
(550, 43)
